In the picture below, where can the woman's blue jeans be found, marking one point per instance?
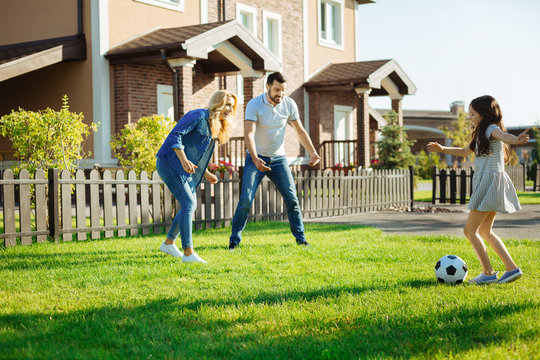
(185, 194)
(280, 175)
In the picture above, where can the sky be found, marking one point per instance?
(456, 50)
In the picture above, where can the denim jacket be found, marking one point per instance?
(191, 134)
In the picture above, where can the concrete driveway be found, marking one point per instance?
(520, 225)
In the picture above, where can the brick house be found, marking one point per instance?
(118, 60)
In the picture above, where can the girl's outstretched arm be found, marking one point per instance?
(521, 139)
(456, 151)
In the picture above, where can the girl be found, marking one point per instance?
(183, 160)
(493, 190)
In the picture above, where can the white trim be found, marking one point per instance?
(178, 62)
(204, 11)
(240, 88)
(101, 97)
(268, 15)
(305, 15)
(339, 45)
(202, 44)
(242, 8)
(305, 29)
(374, 80)
(165, 4)
(357, 32)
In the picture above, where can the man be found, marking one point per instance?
(266, 117)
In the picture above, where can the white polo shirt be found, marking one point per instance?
(271, 122)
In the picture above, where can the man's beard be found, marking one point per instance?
(276, 99)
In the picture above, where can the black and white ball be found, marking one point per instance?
(451, 269)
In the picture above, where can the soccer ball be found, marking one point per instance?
(450, 269)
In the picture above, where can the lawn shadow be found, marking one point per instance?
(165, 328)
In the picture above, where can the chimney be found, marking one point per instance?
(456, 107)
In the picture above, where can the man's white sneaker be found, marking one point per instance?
(193, 258)
(170, 249)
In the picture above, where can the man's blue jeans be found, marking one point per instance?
(185, 194)
(280, 175)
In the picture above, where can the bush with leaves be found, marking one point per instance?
(138, 143)
(426, 162)
(47, 139)
(394, 148)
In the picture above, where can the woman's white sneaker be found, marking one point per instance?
(193, 258)
(170, 249)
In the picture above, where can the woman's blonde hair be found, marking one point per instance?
(220, 127)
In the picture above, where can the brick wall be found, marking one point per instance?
(135, 91)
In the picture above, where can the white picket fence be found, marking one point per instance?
(65, 207)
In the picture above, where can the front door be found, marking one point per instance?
(343, 151)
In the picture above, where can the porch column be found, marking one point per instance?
(397, 107)
(184, 71)
(362, 126)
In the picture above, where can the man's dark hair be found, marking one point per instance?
(275, 76)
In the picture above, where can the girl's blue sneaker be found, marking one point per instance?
(484, 279)
(510, 276)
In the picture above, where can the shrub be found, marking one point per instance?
(138, 143)
(47, 138)
(425, 163)
(394, 148)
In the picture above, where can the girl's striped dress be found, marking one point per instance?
(492, 188)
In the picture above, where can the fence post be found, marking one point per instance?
(463, 187)
(453, 186)
(411, 184)
(54, 209)
(442, 178)
(434, 185)
(524, 174)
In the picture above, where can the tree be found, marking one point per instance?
(394, 148)
(425, 163)
(138, 143)
(47, 138)
(460, 132)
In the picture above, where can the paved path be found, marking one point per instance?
(520, 225)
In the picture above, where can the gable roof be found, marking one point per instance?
(221, 47)
(382, 76)
(21, 58)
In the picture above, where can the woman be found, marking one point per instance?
(183, 160)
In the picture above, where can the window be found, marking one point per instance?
(177, 5)
(272, 32)
(247, 16)
(331, 23)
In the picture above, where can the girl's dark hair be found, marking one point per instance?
(487, 107)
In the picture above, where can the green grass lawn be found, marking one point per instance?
(355, 293)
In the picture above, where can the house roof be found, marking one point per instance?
(383, 77)
(20, 58)
(220, 47)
